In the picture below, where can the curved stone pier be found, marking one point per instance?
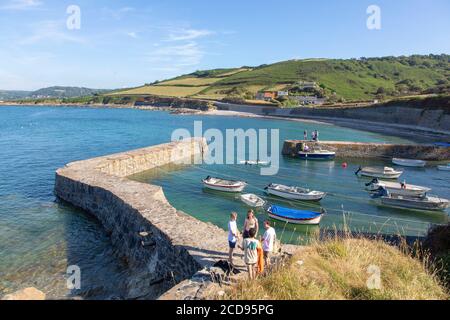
(165, 246)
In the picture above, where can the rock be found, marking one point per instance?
(25, 294)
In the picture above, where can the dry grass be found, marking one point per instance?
(338, 270)
(192, 81)
(169, 91)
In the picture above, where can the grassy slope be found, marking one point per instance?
(338, 269)
(351, 80)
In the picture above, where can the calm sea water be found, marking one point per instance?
(39, 237)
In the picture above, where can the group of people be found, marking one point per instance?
(257, 253)
(314, 135)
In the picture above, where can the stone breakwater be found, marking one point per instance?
(165, 247)
(372, 150)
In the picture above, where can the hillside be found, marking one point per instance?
(361, 79)
(13, 94)
(50, 92)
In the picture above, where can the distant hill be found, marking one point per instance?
(50, 92)
(12, 94)
(336, 80)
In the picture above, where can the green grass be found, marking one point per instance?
(347, 80)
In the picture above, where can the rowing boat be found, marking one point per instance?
(409, 162)
(294, 193)
(295, 216)
(375, 172)
(224, 185)
(252, 200)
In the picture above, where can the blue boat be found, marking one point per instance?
(295, 216)
(317, 155)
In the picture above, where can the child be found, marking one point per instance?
(233, 235)
(251, 253)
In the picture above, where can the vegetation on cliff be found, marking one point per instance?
(346, 269)
(338, 80)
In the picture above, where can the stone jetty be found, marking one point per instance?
(345, 149)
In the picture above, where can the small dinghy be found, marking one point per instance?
(444, 167)
(392, 187)
(317, 155)
(427, 203)
(252, 200)
(294, 193)
(295, 216)
(254, 163)
(383, 173)
(409, 162)
(224, 185)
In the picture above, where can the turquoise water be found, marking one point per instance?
(40, 237)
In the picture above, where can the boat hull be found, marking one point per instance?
(444, 168)
(291, 196)
(256, 202)
(223, 188)
(409, 163)
(313, 221)
(380, 175)
(317, 156)
(395, 188)
(414, 205)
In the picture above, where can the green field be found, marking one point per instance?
(362, 79)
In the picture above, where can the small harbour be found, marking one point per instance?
(40, 237)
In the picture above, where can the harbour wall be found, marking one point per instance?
(435, 120)
(372, 150)
(165, 247)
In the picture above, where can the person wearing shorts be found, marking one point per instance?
(251, 253)
(233, 235)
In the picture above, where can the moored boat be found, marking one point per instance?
(428, 203)
(295, 216)
(252, 200)
(317, 155)
(375, 172)
(224, 185)
(254, 163)
(294, 193)
(444, 167)
(409, 162)
(397, 188)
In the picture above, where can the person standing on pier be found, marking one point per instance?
(250, 223)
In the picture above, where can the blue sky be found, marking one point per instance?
(129, 43)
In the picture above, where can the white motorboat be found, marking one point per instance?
(252, 200)
(375, 172)
(224, 185)
(294, 193)
(444, 167)
(409, 162)
(392, 187)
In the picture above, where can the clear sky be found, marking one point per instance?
(129, 43)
